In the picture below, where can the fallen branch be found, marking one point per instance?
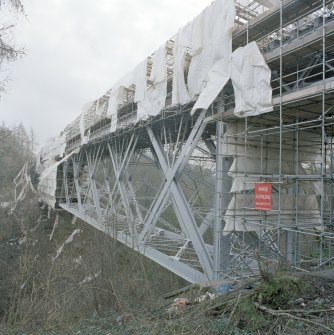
(284, 313)
(302, 311)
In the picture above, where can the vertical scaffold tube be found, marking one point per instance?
(222, 199)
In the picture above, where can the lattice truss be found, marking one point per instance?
(179, 188)
(159, 201)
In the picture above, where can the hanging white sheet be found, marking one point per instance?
(180, 94)
(136, 77)
(251, 82)
(210, 69)
(115, 100)
(84, 139)
(47, 167)
(140, 80)
(155, 97)
(159, 71)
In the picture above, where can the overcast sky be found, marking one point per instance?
(76, 50)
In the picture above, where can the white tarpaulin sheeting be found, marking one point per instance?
(254, 161)
(180, 94)
(138, 78)
(207, 42)
(251, 81)
(47, 169)
(155, 97)
(199, 65)
(210, 69)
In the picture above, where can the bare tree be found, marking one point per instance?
(16, 4)
(8, 50)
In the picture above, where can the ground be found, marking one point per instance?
(289, 303)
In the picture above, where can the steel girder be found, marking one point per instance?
(158, 201)
(161, 217)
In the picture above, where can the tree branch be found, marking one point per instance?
(284, 313)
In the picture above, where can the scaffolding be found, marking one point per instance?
(289, 148)
(179, 187)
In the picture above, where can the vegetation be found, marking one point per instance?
(16, 148)
(8, 51)
(60, 276)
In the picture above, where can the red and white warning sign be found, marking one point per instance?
(263, 196)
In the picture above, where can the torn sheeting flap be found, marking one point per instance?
(47, 188)
(100, 108)
(48, 180)
(201, 60)
(210, 69)
(68, 240)
(140, 80)
(180, 94)
(196, 31)
(159, 69)
(188, 39)
(55, 165)
(84, 139)
(251, 82)
(155, 97)
(55, 147)
(217, 79)
(116, 96)
(154, 101)
(136, 77)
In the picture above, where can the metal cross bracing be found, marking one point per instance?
(143, 189)
(163, 215)
(179, 188)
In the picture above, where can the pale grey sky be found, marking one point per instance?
(75, 51)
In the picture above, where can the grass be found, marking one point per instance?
(282, 291)
(232, 314)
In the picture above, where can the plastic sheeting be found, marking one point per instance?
(116, 97)
(207, 41)
(188, 40)
(210, 69)
(136, 77)
(180, 94)
(251, 81)
(47, 168)
(201, 63)
(155, 96)
(260, 157)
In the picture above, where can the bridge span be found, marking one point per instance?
(170, 161)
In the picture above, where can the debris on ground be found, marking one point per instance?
(289, 303)
(178, 306)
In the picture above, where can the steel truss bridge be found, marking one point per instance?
(163, 187)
